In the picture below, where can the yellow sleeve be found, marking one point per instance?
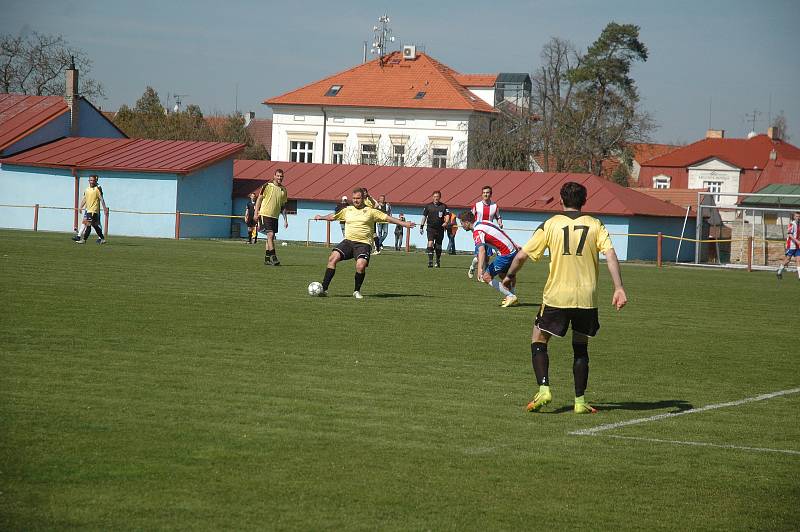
(536, 246)
(378, 216)
(339, 215)
(603, 239)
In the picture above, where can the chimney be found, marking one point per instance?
(773, 133)
(773, 154)
(72, 97)
(248, 117)
(715, 134)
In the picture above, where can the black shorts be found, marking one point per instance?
(349, 249)
(556, 320)
(268, 225)
(91, 218)
(252, 223)
(435, 234)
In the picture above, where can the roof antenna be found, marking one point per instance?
(383, 36)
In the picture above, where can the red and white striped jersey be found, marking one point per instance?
(792, 232)
(491, 235)
(486, 213)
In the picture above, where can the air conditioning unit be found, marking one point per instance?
(409, 52)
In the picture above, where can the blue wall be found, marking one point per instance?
(27, 186)
(92, 123)
(207, 191)
(645, 248)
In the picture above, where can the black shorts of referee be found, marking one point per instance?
(436, 235)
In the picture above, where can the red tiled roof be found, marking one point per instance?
(261, 131)
(644, 151)
(476, 80)
(747, 154)
(682, 197)
(390, 82)
(173, 156)
(21, 115)
(514, 191)
(779, 172)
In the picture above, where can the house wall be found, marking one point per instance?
(484, 93)
(716, 170)
(55, 129)
(418, 130)
(92, 123)
(646, 248)
(28, 186)
(207, 191)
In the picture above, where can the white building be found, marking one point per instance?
(404, 109)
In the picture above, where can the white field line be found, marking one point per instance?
(611, 426)
(704, 444)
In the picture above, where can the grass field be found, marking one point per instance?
(155, 384)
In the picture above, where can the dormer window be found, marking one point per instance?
(334, 90)
(420, 95)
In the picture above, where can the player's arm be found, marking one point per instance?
(285, 219)
(328, 217)
(258, 205)
(620, 298)
(481, 259)
(422, 222)
(398, 221)
(498, 218)
(102, 199)
(82, 204)
(516, 266)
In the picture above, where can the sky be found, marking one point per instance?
(711, 62)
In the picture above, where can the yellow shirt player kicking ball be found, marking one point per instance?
(359, 233)
(574, 240)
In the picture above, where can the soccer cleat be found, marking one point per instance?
(542, 397)
(80, 241)
(275, 261)
(101, 240)
(357, 295)
(471, 272)
(438, 264)
(584, 408)
(377, 252)
(510, 301)
(430, 265)
(324, 293)
(779, 274)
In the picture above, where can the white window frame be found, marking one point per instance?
(337, 156)
(398, 155)
(662, 182)
(301, 151)
(439, 160)
(369, 156)
(715, 187)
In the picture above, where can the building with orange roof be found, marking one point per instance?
(402, 109)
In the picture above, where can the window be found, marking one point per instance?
(291, 206)
(337, 119)
(369, 154)
(441, 122)
(398, 155)
(661, 182)
(369, 120)
(399, 121)
(714, 187)
(301, 151)
(420, 95)
(334, 90)
(439, 158)
(299, 118)
(337, 152)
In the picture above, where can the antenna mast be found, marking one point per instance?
(383, 36)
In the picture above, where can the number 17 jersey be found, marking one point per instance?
(574, 241)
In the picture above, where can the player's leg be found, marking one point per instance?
(361, 272)
(784, 264)
(333, 259)
(584, 325)
(474, 264)
(797, 262)
(540, 361)
(438, 247)
(429, 250)
(98, 228)
(87, 227)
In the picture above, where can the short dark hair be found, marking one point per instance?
(279, 171)
(466, 216)
(484, 187)
(437, 192)
(358, 190)
(573, 195)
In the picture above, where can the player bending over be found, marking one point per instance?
(792, 246)
(573, 240)
(488, 235)
(485, 211)
(359, 232)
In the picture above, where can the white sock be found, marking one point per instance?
(780, 269)
(500, 288)
(474, 263)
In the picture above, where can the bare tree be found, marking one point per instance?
(35, 64)
(781, 127)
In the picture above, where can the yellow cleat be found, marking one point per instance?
(510, 301)
(542, 397)
(582, 407)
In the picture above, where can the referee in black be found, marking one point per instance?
(433, 215)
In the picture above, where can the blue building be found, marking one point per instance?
(145, 182)
(526, 200)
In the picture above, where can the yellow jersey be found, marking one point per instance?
(273, 198)
(574, 241)
(92, 196)
(359, 224)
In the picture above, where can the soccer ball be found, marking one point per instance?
(314, 289)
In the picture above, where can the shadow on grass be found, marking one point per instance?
(678, 405)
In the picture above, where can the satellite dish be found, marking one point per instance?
(751, 135)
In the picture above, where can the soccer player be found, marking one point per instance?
(792, 246)
(484, 210)
(92, 201)
(382, 230)
(271, 203)
(573, 240)
(488, 235)
(433, 215)
(359, 229)
(339, 206)
(250, 219)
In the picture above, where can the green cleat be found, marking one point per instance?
(542, 397)
(582, 407)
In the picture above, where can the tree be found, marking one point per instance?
(35, 64)
(780, 126)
